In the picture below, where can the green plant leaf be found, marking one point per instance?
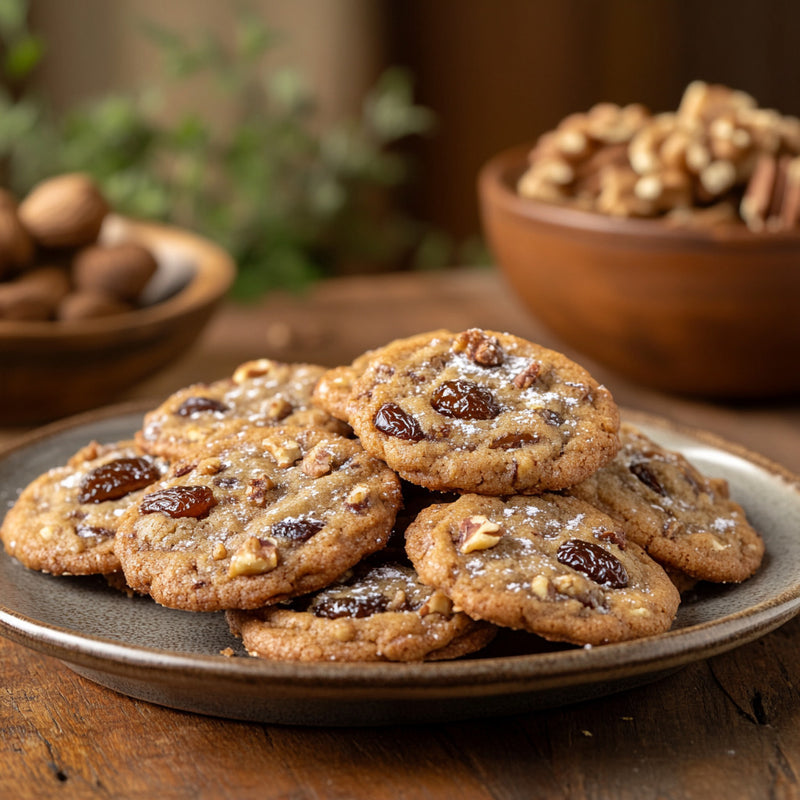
(22, 57)
(291, 199)
(13, 18)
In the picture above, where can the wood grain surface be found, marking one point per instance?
(726, 727)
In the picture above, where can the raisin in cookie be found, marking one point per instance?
(482, 412)
(549, 564)
(256, 518)
(683, 519)
(379, 611)
(261, 393)
(65, 520)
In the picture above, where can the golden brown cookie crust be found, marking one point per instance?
(383, 613)
(256, 518)
(549, 564)
(64, 521)
(682, 518)
(260, 393)
(482, 411)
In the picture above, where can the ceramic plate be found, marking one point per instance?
(173, 657)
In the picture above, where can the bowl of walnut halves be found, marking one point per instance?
(92, 302)
(664, 246)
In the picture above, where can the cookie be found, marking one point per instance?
(548, 564)
(261, 393)
(683, 519)
(483, 412)
(332, 390)
(64, 522)
(256, 518)
(380, 611)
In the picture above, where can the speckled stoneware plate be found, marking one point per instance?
(173, 658)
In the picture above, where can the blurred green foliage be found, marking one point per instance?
(290, 199)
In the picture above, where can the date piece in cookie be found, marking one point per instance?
(484, 412)
(683, 519)
(379, 611)
(549, 564)
(256, 518)
(64, 522)
(262, 393)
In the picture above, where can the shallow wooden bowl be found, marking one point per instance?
(49, 370)
(711, 312)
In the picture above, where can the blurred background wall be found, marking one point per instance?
(96, 46)
(496, 72)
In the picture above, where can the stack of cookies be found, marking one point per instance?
(403, 508)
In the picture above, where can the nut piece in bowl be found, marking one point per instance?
(53, 368)
(685, 285)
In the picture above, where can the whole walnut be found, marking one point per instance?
(64, 211)
(35, 294)
(16, 245)
(118, 270)
(89, 305)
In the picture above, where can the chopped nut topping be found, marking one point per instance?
(477, 533)
(525, 463)
(616, 537)
(576, 588)
(358, 498)
(46, 532)
(219, 552)
(526, 378)
(258, 490)
(565, 584)
(540, 586)
(253, 369)
(342, 630)
(317, 462)
(437, 603)
(278, 408)
(716, 544)
(192, 433)
(181, 468)
(255, 557)
(399, 601)
(209, 466)
(285, 454)
(479, 347)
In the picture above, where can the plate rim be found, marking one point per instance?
(491, 675)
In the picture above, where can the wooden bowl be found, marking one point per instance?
(704, 312)
(52, 369)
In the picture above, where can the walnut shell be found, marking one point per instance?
(64, 211)
(89, 305)
(16, 245)
(35, 294)
(119, 270)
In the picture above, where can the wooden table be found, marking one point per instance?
(726, 727)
